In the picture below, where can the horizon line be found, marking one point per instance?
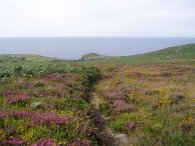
(97, 36)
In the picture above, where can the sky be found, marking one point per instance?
(52, 18)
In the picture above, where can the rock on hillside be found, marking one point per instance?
(93, 56)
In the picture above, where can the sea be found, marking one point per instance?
(71, 48)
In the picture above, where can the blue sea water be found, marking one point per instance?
(75, 47)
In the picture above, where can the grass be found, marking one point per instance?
(141, 104)
(178, 54)
(23, 57)
(148, 97)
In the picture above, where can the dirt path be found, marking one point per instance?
(105, 135)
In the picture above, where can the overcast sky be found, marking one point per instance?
(97, 18)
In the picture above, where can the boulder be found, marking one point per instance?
(122, 138)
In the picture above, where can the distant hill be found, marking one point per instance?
(185, 52)
(171, 53)
(93, 56)
(177, 53)
(24, 57)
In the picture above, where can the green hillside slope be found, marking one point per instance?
(178, 53)
(24, 57)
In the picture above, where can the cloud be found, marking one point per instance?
(97, 18)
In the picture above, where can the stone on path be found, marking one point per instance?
(122, 138)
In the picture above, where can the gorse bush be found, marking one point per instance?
(44, 68)
(152, 104)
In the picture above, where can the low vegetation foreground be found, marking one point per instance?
(49, 102)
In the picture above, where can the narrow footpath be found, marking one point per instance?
(105, 135)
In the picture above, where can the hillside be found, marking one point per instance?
(177, 53)
(24, 57)
(45, 103)
(148, 99)
(139, 100)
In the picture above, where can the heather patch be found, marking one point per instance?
(152, 104)
(46, 104)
